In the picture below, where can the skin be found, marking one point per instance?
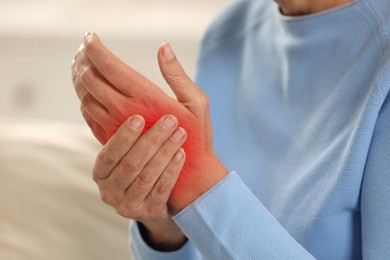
(147, 171)
(304, 7)
(141, 193)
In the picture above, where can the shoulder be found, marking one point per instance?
(381, 9)
(377, 15)
(234, 21)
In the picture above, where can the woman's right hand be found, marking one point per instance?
(136, 173)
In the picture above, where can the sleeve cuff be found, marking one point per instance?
(231, 177)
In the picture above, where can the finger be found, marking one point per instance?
(128, 169)
(88, 102)
(80, 64)
(117, 147)
(98, 131)
(78, 85)
(183, 87)
(90, 107)
(181, 84)
(94, 82)
(164, 185)
(81, 60)
(100, 88)
(152, 171)
(95, 109)
(128, 81)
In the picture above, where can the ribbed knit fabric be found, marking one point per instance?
(301, 114)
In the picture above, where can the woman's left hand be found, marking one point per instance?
(110, 91)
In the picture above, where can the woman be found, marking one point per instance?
(298, 92)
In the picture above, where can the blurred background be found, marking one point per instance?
(38, 39)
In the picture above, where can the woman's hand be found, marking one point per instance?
(110, 91)
(136, 174)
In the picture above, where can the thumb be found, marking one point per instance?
(182, 86)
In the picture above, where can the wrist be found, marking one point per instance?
(162, 237)
(199, 177)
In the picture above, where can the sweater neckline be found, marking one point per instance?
(346, 15)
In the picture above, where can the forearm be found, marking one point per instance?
(228, 222)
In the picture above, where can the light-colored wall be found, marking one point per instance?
(38, 40)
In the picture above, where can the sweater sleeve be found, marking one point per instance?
(375, 192)
(229, 222)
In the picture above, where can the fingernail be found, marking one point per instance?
(87, 35)
(169, 122)
(178, 135)
(167, 51)
(136, 122)
(179, 155)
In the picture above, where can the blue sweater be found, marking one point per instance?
(301, 114)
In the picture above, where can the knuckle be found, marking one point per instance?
(124, 211)
(155, 138)
(106, 157)
(178, 77)
(90, 122)
(106, 197)
(130, 164)
(95, 177)
(176, 71)
(162, 186)
(86, 76)
(165, 152)
(203, 100)
(85, 99)
(178, 74)
(95, 174)
(84, 113)
(145, 178)
(79, 88)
